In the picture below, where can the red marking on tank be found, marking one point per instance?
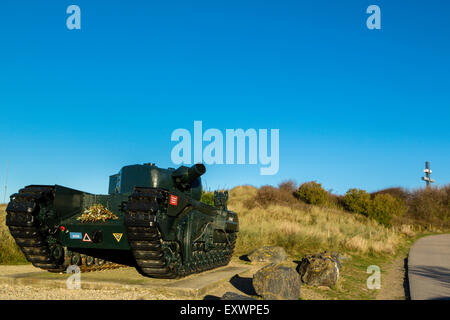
(173, 200)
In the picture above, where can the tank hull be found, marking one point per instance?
(163, 233)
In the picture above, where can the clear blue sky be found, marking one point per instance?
(355, 107)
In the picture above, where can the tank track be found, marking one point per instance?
(162, 259)
(34, 239)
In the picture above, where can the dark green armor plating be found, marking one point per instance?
(159, 225)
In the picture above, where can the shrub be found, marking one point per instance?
(357, 200)
(335, 201)
(430, 205)
(384, 207)
(268, 195)
(396, 192)
(288, 186)
(312, 193)
(207, 197)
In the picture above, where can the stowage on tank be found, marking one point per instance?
(151, 219)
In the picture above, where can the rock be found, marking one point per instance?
(268, 254)
(335, 256)
(235, 296)
(276, 282)
(320, 269)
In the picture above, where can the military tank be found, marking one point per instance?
(151, 219)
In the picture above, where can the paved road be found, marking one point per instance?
(429, 268)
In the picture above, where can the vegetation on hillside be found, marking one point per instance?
(279, 216)
(207, 197)
(275, 216)
(424, 208)
(429, 207)
(309, 218)
(312, 193)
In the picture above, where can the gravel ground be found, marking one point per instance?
(20, 291)
(131, 289)
(23, 292)
(392, 281)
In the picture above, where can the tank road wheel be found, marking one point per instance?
(57, 251)
(198, 267)
(100, 262)
(75, 259)
(90, 261)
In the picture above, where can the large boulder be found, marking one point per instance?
(335, 256)
(277, 282)
(320, 269)
(268, 254)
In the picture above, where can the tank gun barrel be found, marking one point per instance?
(184, 176)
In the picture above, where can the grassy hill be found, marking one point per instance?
(278, 218)
(302, 228)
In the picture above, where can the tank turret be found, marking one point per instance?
(185, 179)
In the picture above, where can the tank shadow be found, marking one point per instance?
(211, 297)
(244, 258)
(243, 284)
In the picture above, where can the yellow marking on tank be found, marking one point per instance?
(118, 236)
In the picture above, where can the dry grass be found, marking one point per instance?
(303, 229)
(407, 230)
(9, 251)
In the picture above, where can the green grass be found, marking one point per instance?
(353, 276)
